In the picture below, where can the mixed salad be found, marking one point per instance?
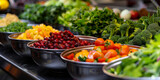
(104, 51)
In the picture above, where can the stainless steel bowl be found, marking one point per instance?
(4, 37)
(19, 46)
(86, 70)
(116, 77)
(50, 58)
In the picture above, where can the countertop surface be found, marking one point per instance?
(25, 68)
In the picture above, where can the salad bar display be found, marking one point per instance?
(74, 40)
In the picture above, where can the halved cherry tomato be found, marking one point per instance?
(89, 60)
(101, 59)
(71, 56)
(109, 44)
(110, 53)
(132, 50)
(117, 46)
(95, 54)
(102, 47)
(104, 51)
(99, 42)
(124, 50)
(111, 59)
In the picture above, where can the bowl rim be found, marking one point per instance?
(91, 63)
(122, 77)
(11, 38)
(10, 32)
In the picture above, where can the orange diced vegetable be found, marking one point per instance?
(101, 59)
(89, 60)
(132, 50)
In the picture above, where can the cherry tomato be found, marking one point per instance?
(132, 50)
(124, 50)
(134, 14)
(109, 44)
(95, 54)
(99, 42)
(117, 46)
(102, 47)
(104, 51)
(101, 59)
(71, 56)
(110, 53)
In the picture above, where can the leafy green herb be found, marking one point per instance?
(15, 27)
(43, 14)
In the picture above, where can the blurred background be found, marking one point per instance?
(15, 5)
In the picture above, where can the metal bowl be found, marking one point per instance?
(4, 37)
(116, 77)
(50, 58)
(86, 70)
(19, 46)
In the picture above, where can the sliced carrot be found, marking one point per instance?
(71, 56)
(101, 59)
(89, 60)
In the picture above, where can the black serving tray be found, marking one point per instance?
(24, 68)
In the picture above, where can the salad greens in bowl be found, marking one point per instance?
(15, 27)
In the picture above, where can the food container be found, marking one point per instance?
(19, 46)
(50, 58)
(116, 77)
(86, 70)
(4, 38)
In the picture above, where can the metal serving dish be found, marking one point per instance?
(4, 37)
(50, 58)
(19, 46)
(116, 77)
(86, 70)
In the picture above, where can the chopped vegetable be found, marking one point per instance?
(125, 14)
(39, 32)
(101, 54)
(15, 27)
